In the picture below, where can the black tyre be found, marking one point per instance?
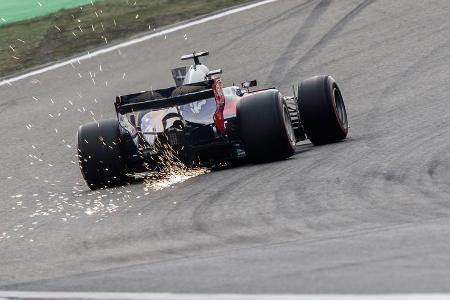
(265, 126)
(100, 156)
(322, 110)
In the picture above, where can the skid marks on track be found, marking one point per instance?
(264, 25)
(285, 58)
(295, 70)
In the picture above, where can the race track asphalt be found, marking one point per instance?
(370, 214)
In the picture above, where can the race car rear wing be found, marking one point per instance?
(123, 107)
(161, 99)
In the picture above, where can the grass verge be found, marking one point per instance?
(45, 39)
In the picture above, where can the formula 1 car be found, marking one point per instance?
(201, 122)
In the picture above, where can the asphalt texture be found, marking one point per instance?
(370, 214)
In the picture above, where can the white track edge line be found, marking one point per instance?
(135, 41)
(169, 296)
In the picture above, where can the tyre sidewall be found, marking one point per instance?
(318, 110)
(101, 159)
(262, 126)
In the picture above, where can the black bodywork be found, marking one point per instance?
(192, 142)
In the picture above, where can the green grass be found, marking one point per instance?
(46, 39)
(17, 10)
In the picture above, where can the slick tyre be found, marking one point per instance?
(265, 127)
(322, 110)
(100, 156)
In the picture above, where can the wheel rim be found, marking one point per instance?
(341, 112)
